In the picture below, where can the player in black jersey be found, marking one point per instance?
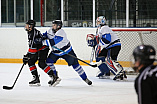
(146, 82)
(37, 51)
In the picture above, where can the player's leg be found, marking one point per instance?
(76, 66)
(104, 70)
(50, 62)
(42, 64)
(31, 63)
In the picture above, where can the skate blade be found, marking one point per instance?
(104, 77)
(56, 83)
(35, 85)
(121, 80)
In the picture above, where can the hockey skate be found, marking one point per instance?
(103, 76)
(54, 81)
(88, 81)
(35, 81)
(120, 76)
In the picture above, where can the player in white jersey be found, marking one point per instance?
(57, 38)
(107, 46)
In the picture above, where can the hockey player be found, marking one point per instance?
(146, 81)
(39, 52)
(57, 37)
(107, 45)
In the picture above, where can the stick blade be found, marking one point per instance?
(7, 88)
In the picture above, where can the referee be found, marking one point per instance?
(146, 81)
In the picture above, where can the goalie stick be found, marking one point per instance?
(93, 50)
(9, 88)
(92, 54)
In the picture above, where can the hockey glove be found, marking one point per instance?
(25, 59)
(38, 41)
(92, 40)
(44, 37)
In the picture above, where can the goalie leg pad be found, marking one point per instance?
(117, 70)
(117, 66)
(103, 67)
(110, 64)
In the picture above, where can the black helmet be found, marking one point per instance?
(58, 22)
(145, 54)
(31, 22)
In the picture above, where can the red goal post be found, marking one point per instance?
(132, 37)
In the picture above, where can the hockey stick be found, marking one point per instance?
(9, 88)
(95, 65)
(46, 42)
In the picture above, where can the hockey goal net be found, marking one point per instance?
(132, 37)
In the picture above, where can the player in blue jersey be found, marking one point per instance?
(107, 46)
(57, 38)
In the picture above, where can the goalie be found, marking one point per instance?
(107, 46)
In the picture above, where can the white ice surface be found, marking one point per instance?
(71, 90)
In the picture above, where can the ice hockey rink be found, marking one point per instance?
(71, 90)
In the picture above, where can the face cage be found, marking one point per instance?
(29, 26)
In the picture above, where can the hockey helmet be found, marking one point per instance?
(145, 54)
(58, 22)
(101, 19)
(31, 22)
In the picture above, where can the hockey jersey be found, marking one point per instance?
(35, 41)
(107, 38)
(59, 40)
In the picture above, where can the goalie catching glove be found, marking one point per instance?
(92, 40)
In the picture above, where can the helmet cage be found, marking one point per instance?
(59, 23)
(31, 23)
(101, 19)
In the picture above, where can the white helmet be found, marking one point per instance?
(101, 19)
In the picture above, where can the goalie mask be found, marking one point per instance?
(30, 24)
(144, 54)
(58, 23)
(100, 21)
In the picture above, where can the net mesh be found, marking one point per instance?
(132, 37)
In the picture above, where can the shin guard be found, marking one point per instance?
(80, 71)
(49, 62)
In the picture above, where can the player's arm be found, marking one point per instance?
(38, 38)
(105, 35)
(44, 36)
(55, 40)
(106, 38)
